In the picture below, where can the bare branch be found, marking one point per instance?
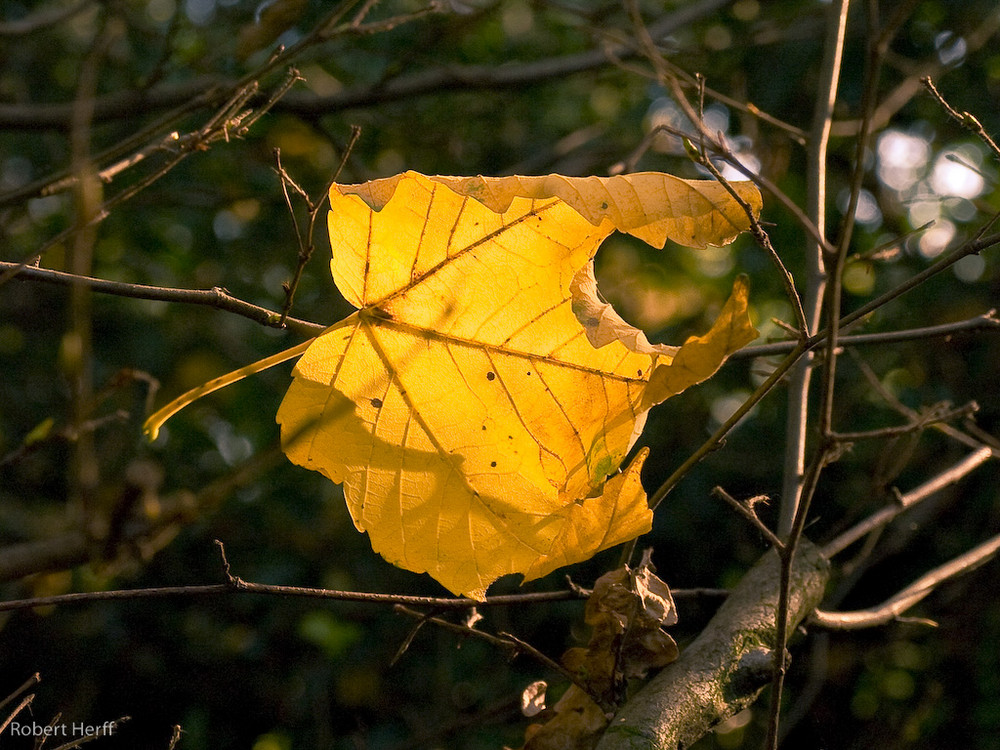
(25, 702)
(879, 519)
(986, 322)
(25, 686)
(966, 119)
(799, 484)
(892, 609)
(761, 237)
(747, 512)
(236, 585)
(815, 282)
(306, 244)
(936, 415)
(217, 297)
(363, 597)
(97, 733)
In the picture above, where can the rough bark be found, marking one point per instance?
(726, 667)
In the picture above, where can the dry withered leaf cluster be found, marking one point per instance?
(627, 612)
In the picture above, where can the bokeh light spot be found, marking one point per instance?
(955, 173)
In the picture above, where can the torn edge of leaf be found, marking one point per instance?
(700, 357)
(621, 508)
(602, 322)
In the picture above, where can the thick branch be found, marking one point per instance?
(726, 667)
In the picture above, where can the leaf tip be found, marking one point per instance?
(151, 428)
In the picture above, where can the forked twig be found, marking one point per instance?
(893, 608)
(746, 510)
(305, 242)
(880, 518)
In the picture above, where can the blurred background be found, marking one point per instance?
(456, 87)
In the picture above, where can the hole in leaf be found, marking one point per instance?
(669, 294)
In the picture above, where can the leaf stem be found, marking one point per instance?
(152, 425)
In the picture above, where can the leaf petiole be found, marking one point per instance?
(151, 427)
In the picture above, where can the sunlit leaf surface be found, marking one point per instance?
(477, 401)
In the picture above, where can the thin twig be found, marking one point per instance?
(971, 247)
(920, 422)
(175, 737)
(25, 686)
(966, 119)
(97, 733)
(762, 239)
(985, 322)
(747, 512)
(217, 297)
(838, 259)
(306, 244)
(815, 282)
(893, 608)
(798, 485)
(724, 152)
(236, 585)
(25, 702)
(882, 517)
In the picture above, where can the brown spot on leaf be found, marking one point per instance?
(377, 403)
(491, 376)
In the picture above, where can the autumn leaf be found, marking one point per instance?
(476, 402)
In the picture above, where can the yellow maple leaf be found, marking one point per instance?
(476, 402)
